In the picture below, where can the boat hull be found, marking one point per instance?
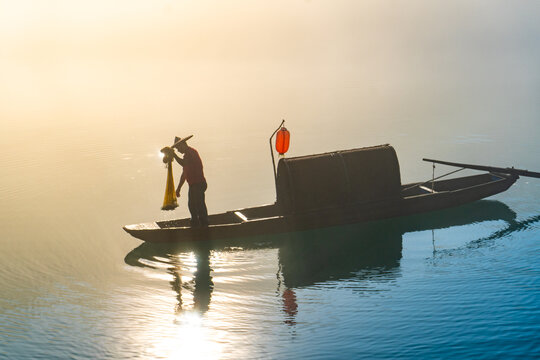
(267, 220)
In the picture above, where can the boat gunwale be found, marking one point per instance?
(217, 226)
(500, 178)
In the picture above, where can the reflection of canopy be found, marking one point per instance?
(334, 254)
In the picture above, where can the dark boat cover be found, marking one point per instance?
(338, 178)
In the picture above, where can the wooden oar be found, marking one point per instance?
(489, 168)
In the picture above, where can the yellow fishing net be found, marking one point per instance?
(169, 202)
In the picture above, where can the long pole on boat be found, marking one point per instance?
(511, 170)
(272, 152)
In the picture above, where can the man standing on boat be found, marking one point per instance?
(193, 174)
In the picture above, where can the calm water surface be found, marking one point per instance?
(461, 283)
(81, 132)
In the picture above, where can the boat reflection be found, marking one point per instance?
(354, 252)
(513, 227)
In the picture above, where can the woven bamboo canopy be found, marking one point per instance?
(338, 178)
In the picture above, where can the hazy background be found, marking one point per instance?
(82, 79)
(91, 90)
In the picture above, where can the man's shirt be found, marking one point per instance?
(193, 168)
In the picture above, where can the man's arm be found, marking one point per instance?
(178, 159)
(182, 180)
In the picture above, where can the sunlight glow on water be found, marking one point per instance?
(189, 331)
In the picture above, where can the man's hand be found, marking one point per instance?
(178, 192)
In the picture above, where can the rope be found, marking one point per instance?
(433, 180)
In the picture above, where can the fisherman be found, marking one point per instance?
(193, 174)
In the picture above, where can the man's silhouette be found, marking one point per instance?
(193, 174)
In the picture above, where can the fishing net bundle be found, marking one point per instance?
(170, 200)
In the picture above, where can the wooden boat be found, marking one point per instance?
(472, 213)
(337, 188)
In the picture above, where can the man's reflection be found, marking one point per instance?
(201, 285)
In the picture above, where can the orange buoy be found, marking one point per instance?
(282, 140)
